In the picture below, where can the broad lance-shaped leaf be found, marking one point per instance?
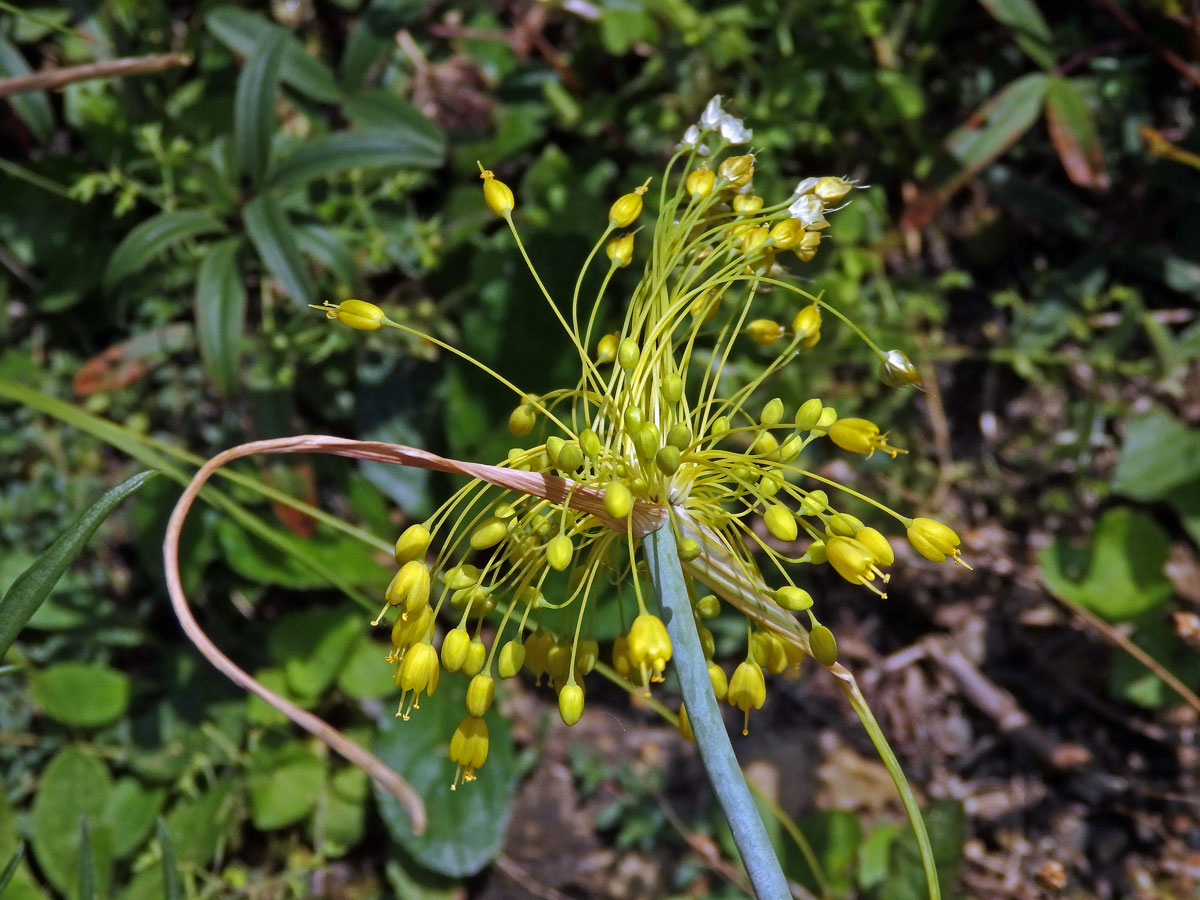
(221, 314)
(1074, 134)
(346, 150)
(153, 236)
(1029, 27)
(254, 103)
(998, 124)
(272, 236)
(34, 585)
(238, 30)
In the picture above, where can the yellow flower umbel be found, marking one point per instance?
(659, 430)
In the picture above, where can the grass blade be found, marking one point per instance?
(172, 889)
(34, 585)
(11, 868)
(87, 872)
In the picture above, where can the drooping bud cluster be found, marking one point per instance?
(657, 430)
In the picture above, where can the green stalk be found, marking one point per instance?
(712, 740)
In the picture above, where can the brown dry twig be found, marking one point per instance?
(51, 79)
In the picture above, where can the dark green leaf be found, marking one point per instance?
(374, 36)
(198, 825)
(32, 587)
(272, 236)
(834, 836)
(16, 883)
(153, 236)
(33, 107)
(333, 154)
(999, 123)
(74, 784)
(339, 820)
(81, 694)
(1120, 575)
(172, 888)
(1030, 29)
(255, 559)
(254, 103)
(947, 824)
(1159, 455)
(11, 869)
(239, 30)
(130, 810)
(1074, 134)
(323, 245)
(381, 110)
(1131, 681)
(221, 314)
(466, 826)
(283, 784)
(365, 676)
(313, 645)
(87, 871)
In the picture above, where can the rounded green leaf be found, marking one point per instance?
(466, 826)
(74, 784)
(81, 694)
(283, 785)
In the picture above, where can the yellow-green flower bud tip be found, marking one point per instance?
(476, 657)
(754, 239)
(765, 445)
(628, 353)
(747, 203)
(699, 182)
(685, 725)
(512, 657)
(468, 749)
(667, 460)
(672, 388)
(521, 420)
(680, 436)
(816, 553)
(708, 606)
(747, 690)
(780, 522)
(823, 645)
(934, 541)
(720, 684)
(618, 500)
(831, 189)
(633, 419)
(587, 651)
(455, 646)
(787, 234)
(357, 314)
(589, 443)
(570, 703)
(772, 412)
(606, 348)
(460, 577)
(791, 448)
(814, 502)
(649, 645)
(737, 170)
(809, 414)
(409, 586)
(626, 209)
(807, 326)
(480, 692)
(559, 552)
(570, 458)
(689, 549)
(793, 599)
(881, 550)
(496, 194)
(419, 672)
(620, 250)
(764, 331)
(720, 427)
(859, 436)
(850, 559)
(412, 543)
(897, 370)
(489, 533)
(844, 524)
(828, 417)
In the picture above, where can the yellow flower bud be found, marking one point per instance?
(844, 524)
(807, 325)
(706, 306)
(620, 250)
(850, 559)
(828, 417)
(606, 348)
(831, 189)
(737, 170)
(720, 427)
(512, 657)
(419, 672)
(455, 645)
(633, 419)
(764, 331)
(407, 632)
(480, 692)
(814, 502)
(468, 748)
(627, 353)
(570, 703)
(807, 248)
(521, 420)
(747, 203)
(791, 448)
(680, 436)
(646, 441)
(823, 645)
(618, 500)
(708, 606)
(589, 443)
(620, 656)
(587, 651)
(460, 577)
(496, 194)
(793, 598)
(699, 182)
(667, 459)
(768, 648)
(649, 645)
(787, 234)
(685, 725)
(720, 685)
(537, 653)
(559, 552)
(897, 370)
(570, 458)
(816, 554)
(689, 549)
(412, 544)
(747, 690)
(626, 209)
(765, 445)
(933, 540)
(754, 239)
(357, 314)
(772, 412)
(859, 436)
(881, 550)
(672, 388)
(409, 586)
(476, 656)
(489, 533)
(809, 414)
(780, 522)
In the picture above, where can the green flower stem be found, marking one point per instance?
(712, 740)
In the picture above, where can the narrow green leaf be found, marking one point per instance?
(254, 103)
(1073, 131)
(172, 889)
(272, 235)
(381, 110)
(152, 237)
(333, 154)
(32, 107)
(239, 30)
(998, 124)
(34, 585)
(221, 314)
(11, 868)
(374, 36)
(87, 870)
(1029, 27)
(323, 245)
